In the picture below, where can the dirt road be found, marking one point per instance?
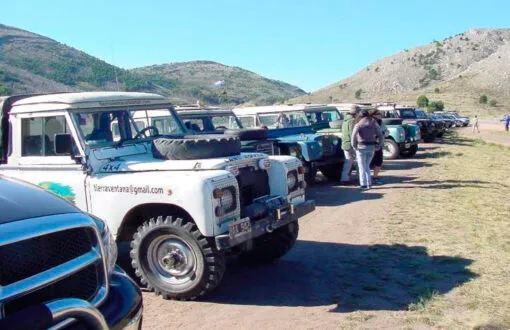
(324, 282)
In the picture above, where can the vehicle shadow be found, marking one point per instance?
(436, 154)
(349, 277)
(404, 164)
(429, 184)
(330, 194)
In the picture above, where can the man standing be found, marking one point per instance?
(506, 119)
(349, 152)
(475, 124)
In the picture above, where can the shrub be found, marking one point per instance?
(493, 103)
(435, 106)
(483, 99)
(422, 101)
(357, 94)
(436, 90)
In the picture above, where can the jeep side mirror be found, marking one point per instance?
(63, 144)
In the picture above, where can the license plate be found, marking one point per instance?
(407, 145)
(239, 227)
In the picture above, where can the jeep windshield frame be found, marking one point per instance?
(210, 121)
(99, 128)
(420, 114)
(283, 119)
(407, 113)
(333, 115)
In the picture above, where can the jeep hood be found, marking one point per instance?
(146, 162)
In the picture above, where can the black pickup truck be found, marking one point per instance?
(57, 266)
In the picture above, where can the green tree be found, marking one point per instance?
(422, 101)
(493, 103)
(358, 93)
(483, 99)
(4, 90)
(435, 106)
(436, 90)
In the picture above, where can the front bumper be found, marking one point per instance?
(123, 308)
(277, 217)
(407, 145)
(328, 160)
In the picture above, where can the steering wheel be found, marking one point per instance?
(143, 131)
(221, 127)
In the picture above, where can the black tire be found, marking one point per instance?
(269, 247)
(440, 135)
(196, 147)
(248, 134)
(336, 124)
(429, 139)
(409, 152)
(332, 172)
(159, 249)
(392, 121)
(390, 149)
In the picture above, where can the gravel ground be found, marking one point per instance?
(323, 282)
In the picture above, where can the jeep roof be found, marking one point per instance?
(200, 110)
(282, 108)
(85, 100)
(16, 195)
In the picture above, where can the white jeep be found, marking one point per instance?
(179, 203)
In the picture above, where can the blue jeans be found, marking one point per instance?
(350, 155)
(364, 156)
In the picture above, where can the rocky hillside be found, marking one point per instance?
(32, 63)
(456, 70)
(199, 77)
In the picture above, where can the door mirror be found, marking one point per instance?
(63, 144)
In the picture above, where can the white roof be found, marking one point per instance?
(196, 110)
(86, 100)
(279, 108)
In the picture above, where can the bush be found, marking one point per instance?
(358, 93)
(493, 103)
(436, 90)
(422, 101)
(435, 106)
(483, 99)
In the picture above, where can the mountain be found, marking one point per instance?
(199, 77)
(31, 63)
(456, 70)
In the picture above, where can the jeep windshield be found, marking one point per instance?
(100, 128)
(421, 114)
(323, 116)
(207, 123)
(407, 113)
(284, 119)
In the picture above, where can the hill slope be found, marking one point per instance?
(456, 70)
(199, 77)
(32, 63)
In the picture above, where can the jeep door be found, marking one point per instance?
(35, 157)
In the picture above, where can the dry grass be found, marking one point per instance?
(463, 211)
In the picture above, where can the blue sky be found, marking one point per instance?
(310, 44)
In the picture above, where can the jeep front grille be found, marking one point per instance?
(252, 184)
(328, 148)
(49, 258)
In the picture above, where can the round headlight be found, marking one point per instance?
(291, 181)
(227, 201)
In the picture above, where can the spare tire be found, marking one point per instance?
(196, 147)
(392, 121)
(248, 134)
(336, 124)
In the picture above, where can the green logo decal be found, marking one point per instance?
(61, 190)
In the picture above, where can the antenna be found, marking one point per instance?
(114, 66)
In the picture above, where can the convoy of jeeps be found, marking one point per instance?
(172, 190)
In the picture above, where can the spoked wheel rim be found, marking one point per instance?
(171, 259)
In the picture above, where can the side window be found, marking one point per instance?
(38, 135)
(247, 122)
(196, 125)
